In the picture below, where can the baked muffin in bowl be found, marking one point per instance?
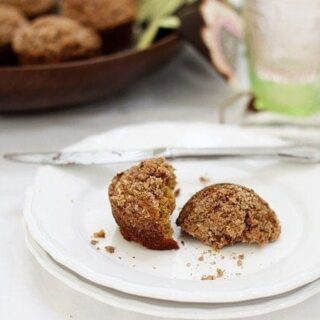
(11, 19)
(113, 19)
(52, 39)
(32, 8)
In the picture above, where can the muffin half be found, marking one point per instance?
(224, 214)
(51, 39)
(142, 200)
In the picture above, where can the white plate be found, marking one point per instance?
(69, 204)
(167, 309)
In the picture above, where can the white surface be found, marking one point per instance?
(165, 309)
(69, 204)
(183, 90)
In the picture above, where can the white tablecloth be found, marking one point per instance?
(183, 90)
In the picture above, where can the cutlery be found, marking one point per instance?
(302, 154)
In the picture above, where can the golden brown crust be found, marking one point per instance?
(32, 8)
(11, 19)
(142, 199)
(100, 14)
(224, 214)
(51, 39)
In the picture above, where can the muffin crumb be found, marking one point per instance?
(204, 180)
(110, 249)
(99, 234)
(93, 242)
(220, 273)
(208, 277)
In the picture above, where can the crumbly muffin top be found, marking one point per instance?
(139, 191)
(11, 19)
(100, 14)
(54, 38)
(224, 214)
(31, 8)
(142, 199)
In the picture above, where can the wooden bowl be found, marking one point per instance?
(42, 87)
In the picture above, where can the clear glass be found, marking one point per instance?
(283, 43)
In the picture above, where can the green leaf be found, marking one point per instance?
(172, 22)
(158, 14)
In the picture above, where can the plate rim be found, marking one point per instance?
(80, 284)
(139, 289)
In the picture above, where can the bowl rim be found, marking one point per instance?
(170, 38)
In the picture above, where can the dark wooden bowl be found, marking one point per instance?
(42, 87)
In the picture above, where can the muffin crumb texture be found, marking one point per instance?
(225, 214)
(142, 200)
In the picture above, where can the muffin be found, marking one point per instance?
(11, 19)
(113, 19)
(225, 214)
(142, 200)
(51, 39)
(32, 8)
(100, 14)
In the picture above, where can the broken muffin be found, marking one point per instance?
(142, 200)
(225, 214)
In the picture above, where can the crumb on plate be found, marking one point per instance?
(99, 234)
(110, 249)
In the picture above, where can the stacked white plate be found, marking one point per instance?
(66, 205)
